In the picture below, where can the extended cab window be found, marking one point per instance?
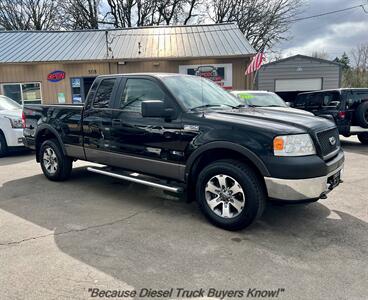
(138, 90)
(103, 94)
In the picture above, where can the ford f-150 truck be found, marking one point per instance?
(185, 134)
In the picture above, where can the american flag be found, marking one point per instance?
(256, 63)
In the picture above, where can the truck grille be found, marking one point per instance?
(329, 141)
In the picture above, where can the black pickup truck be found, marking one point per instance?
(184, 134)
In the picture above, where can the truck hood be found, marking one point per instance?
(284, 122)
(11, 113)
(289, 109)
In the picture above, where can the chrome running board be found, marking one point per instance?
(137, 178)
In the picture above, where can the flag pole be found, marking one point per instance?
(254, 79)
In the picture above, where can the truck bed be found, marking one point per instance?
(65, 119)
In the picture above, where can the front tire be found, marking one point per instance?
(230, 194)
(3, 145)
(55, 165)
(363, 138)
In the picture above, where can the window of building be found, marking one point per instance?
(23, 93)
(80, 87)
(138, 90)
(103, 94)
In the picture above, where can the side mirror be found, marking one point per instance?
(288, 104)
(156, 109)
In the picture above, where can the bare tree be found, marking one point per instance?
(170, 10)
(357, 75)
(29, 14)
(128, 13)
(146, 11)
(121, 12)
(177, 11)
(360, 57)
(81, 14)
(263, 22)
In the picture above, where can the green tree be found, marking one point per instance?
(344, 60)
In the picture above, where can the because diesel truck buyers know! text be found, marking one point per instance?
(182, 134)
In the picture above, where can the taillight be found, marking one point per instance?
(342, 115)
(23, 120)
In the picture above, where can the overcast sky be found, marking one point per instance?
(333, 34)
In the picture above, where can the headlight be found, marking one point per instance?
(15, 122)
(293, 145)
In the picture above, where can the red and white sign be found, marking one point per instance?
(56, 76)
(222, 74)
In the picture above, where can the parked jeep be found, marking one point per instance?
(348, 108)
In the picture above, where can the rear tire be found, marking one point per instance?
(55, 165)
(363, 138)
(3, 146)
(230, 194)
(361, 114)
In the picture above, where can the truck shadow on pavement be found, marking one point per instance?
(139, 236)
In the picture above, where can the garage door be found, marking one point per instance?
(289, 85)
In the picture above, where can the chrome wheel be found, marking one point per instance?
(50, 160)
(225, 196)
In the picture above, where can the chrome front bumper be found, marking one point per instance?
(300, 189)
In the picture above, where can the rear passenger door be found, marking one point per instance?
(97, 118)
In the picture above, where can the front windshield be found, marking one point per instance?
(8, 104)
(261, 99)
(197, 92)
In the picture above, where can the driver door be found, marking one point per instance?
(146, 143)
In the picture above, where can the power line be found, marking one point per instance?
(362, 6)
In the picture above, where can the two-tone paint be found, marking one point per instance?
(171, 148)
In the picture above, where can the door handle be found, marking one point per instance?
(116, 122)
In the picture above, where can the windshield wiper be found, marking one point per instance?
(252, 105)
(240, 106)
(211, 105)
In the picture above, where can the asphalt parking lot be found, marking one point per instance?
(57, 240)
